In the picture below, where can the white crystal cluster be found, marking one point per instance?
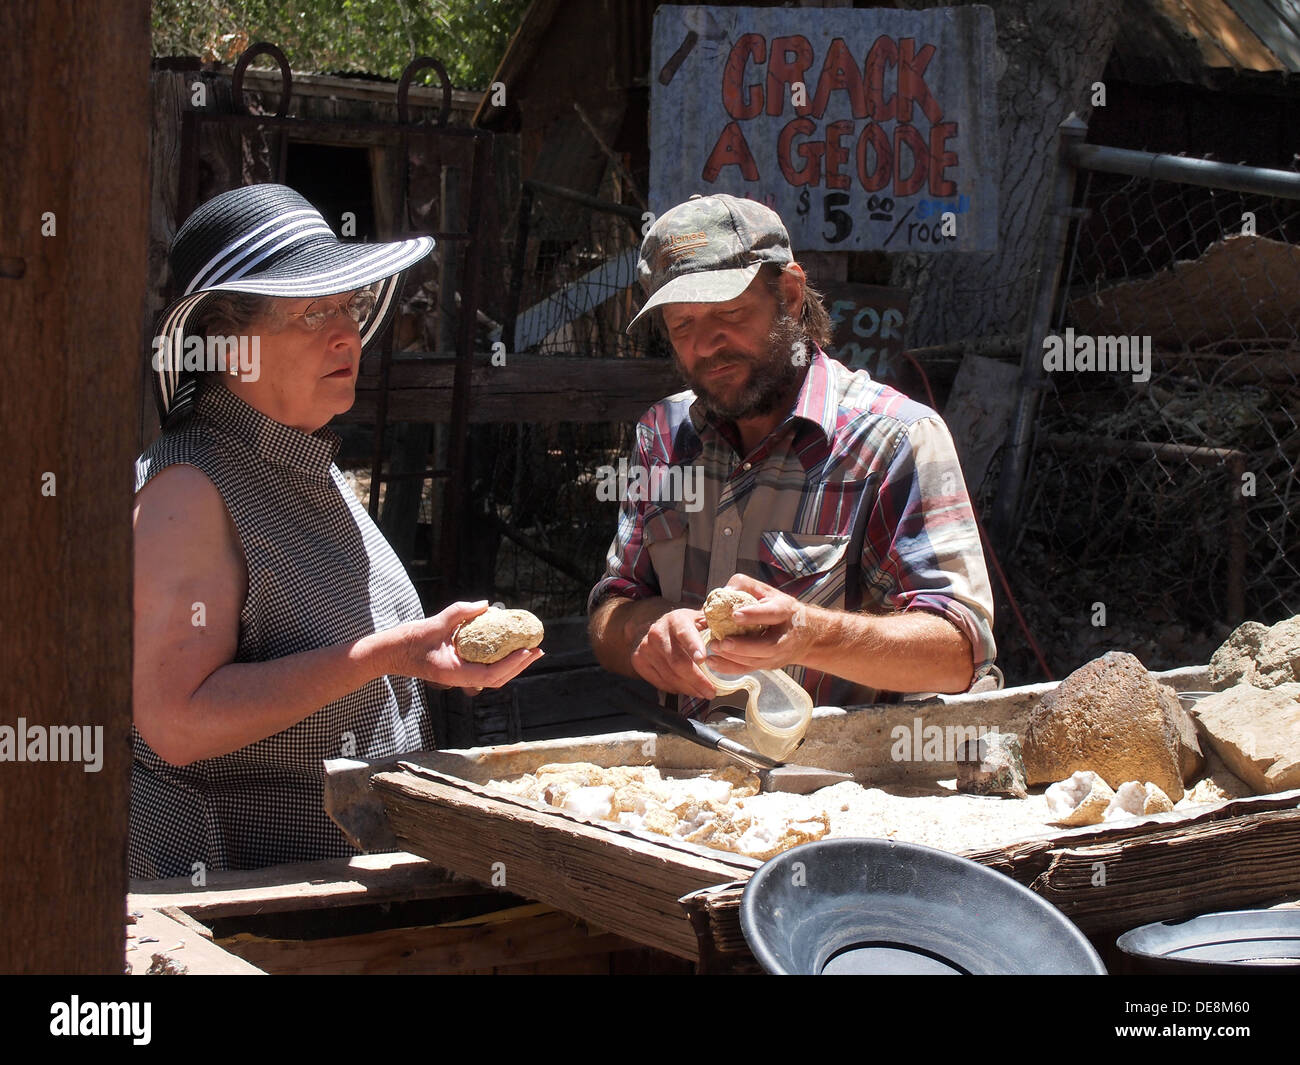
(717, 810)
(1085, 799)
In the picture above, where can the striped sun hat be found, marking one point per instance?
(266, 240)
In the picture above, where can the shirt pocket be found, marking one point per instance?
(664, 534)
(807, 566)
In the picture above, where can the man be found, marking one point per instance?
(836, 501)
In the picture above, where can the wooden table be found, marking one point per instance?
(684, 899)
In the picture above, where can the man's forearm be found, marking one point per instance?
(618, 625)
(915, 651)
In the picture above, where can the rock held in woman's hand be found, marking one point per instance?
(497, 633)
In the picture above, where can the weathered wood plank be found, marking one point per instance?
(522, 935)
(585, 965)
(1171, 875)
(182, 945)
(302, 886)
(618, 880)
(181, 917)
(532, 388)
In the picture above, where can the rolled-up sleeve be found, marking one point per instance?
(629, 571)
(922, 550)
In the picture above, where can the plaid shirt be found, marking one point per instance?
(851, 451)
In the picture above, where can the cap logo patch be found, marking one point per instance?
(680, 246)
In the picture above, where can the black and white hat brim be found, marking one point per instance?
(308, 261)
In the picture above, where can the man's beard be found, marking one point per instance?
(772, 374)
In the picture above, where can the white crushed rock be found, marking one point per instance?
(724, 810)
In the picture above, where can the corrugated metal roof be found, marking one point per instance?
(1199, 41)
(1277, 24)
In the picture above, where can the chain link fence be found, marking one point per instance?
(1161, 502)
(573, 279)
(572, 292)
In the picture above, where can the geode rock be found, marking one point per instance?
(1258, 654)
(496, 633)
(1135, 799)
(1082, 798)
(718, 606)
(992, 765)
(1191, 756)
(1111, 717)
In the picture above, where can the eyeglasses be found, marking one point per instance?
(359, 307)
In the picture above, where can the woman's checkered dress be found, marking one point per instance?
(319, 573)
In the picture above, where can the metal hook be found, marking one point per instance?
(246, 57)
(404, 86)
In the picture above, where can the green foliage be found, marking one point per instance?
(374, 36)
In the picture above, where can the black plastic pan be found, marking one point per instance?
(1236, 941)
(874, 906)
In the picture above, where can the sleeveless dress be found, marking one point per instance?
(319, 573)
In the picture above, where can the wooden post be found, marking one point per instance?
(74, 231)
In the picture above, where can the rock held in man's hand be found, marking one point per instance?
(718, 606)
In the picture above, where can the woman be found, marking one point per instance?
(274, 626)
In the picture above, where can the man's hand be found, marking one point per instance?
(903, 652)
(786, 642)
(666, 654)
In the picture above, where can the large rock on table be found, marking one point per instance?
(1256, 731)
(1258, 654)
(1112, 717)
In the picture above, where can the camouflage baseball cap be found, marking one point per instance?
(708, 250)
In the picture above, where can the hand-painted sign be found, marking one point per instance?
(864, 129)
(868, 323)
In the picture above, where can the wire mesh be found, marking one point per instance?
(578, 289)
(1162, 497)
(540, 484)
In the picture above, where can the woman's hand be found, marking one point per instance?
(426, 650)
